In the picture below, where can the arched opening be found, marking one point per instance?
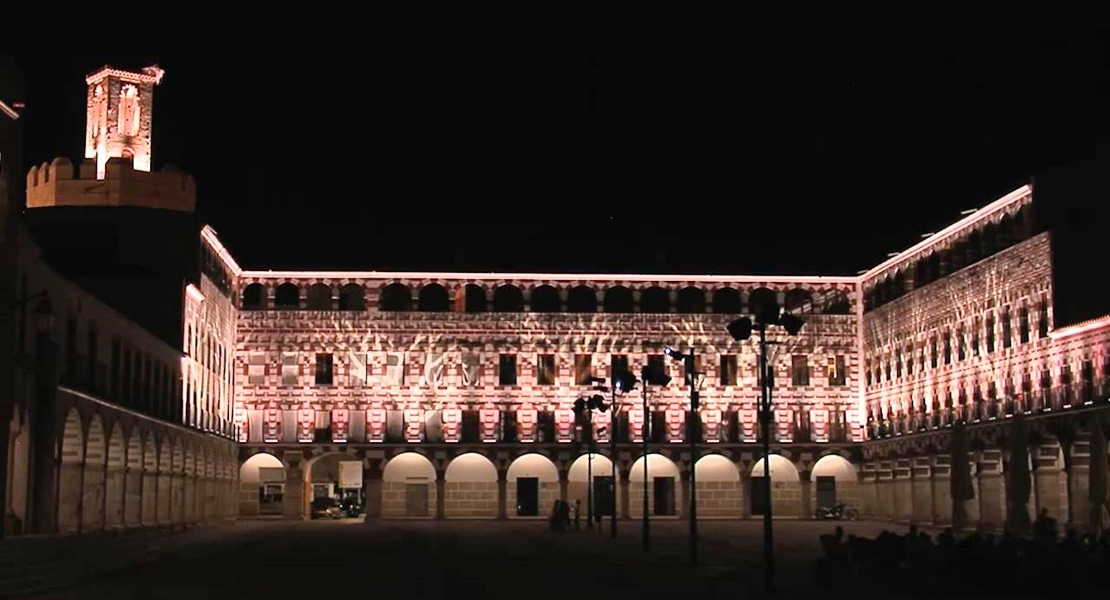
(334, 480)
(664, 496)
(115, 482)
(470, 484)
(545, 299)
(395, 297)
(127, 154)
(69, 480)
(150, 509)
(351, 297)
(582, 299)
(690, 301)
(762, 299)
(798, 301)
(603, 492)
(727, 301)
(409, 487)
(92, 500)
(719, 492)
(133, 490)
(434, 298)
(177, 484)
(475, 300)
(655, 300)
(834, 480)
(261, 485)
(318, 297)
(287, 296)
(532, 486)
(189, 491)
(254, 297)
(508, 298)
(836, 303)
(786, 488)
(618, 299)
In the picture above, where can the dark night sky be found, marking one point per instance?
(712, 148)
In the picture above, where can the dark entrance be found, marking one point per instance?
(826, 491)
(758, 495)
(527, 497)
(604, 496)
(664, 496)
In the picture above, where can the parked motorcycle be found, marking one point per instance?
(837, 512)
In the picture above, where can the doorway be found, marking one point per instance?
(605, 501)
(416, 499)
(663, 488)
(826, 491)
(758, 496)
(528, 497)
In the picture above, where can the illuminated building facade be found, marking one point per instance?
(449, 395)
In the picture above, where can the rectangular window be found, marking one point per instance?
(324, 365)
(728, 370)
(1023, 325)
(618, 363)
(545, 369)
(685, 375)
(1007, 333)
(799, 370)
(976, 327)
(838, 370)
(961, 342)
(471, 369)
(1042, 319)
(356, 369)
(70, 368)
(92, 354)
(933, 352)
(256, 369)
(657, 363)
(394, 369)
(583, 369)
(947, 347)
(290, 371)
(990, 333)
(506, 371)
(909, 358)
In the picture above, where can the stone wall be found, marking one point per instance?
(720, 499)
(470, 499)
(394, 499)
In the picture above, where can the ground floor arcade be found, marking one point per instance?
(525, 482)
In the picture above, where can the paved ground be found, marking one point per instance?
(473, 559)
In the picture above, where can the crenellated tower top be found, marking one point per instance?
(118, 116)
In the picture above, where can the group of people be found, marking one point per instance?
(563, 515)
(976, 564)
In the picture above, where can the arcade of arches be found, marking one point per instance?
(472, 485)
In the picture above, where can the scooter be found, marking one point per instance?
(837, 512)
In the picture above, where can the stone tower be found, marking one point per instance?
(118, 116)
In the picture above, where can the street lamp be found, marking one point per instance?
(650, 375)
(624, 382)
(766, 311)
(690, 366)
(584, 409)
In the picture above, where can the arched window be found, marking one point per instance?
(129, 111)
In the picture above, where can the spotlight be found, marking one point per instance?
(596, 402)
(791, 323)
(675, 354)
(624, 382)
(740, 329)
(580, 406)
(654, 376)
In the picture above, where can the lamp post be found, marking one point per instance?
(584, 408)
(766, 311)
(44, 458)
(650, 376)
(625, 382)
(690, 366)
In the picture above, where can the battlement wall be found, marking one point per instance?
(58, 183)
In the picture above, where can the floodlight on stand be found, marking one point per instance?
(675, 354)
(740, 329)
(580, 406)
(596, 402)
(791, 323)
(653, 376)
(624, 382)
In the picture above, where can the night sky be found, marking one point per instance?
(701, 148)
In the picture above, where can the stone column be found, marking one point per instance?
(921, 490)
(133, 497)
(1078, 486)
(884, 491)
(372, 480)
(502, 494)
(684, 477)
(1047, 488)
(563, 484)
(745, 493)
(293, 501)
(808, 510)
(115, 498)
(441, 494)
(902, 489)
(868, 491)
(942, 490)
(992, 515)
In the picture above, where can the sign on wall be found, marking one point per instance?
(350, 475)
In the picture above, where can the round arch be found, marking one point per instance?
(662, 489)
(261, 485)
(69, 481)
(786, 488)
(470, 485)
(836, 480)
(719, 491)
(92, 481)
(334, 475)
(578, 475)
(116, 482)
(409, 486)
(532, 486)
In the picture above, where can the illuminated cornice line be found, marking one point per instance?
(1080, 328)
(565, 277)
(152, 75)
(951, 231)
(7, 110)
(209, 235)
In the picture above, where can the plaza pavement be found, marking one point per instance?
(471, 559)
